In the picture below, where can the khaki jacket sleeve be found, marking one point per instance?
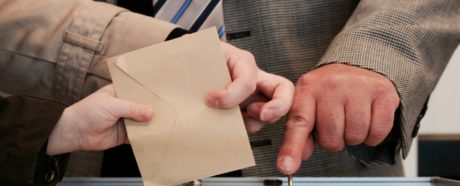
(55, 49)
(408, 41)
(25, 124)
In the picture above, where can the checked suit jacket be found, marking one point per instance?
(410, 42)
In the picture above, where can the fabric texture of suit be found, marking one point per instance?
(410, 42)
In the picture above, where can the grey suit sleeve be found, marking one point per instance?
(410, 42)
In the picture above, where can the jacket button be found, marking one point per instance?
(49, 176)
(415, 131)
(420, 117)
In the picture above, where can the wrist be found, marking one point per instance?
(64, 138)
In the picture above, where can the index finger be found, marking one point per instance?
(281, 92)
(244, 72)
(298, 128)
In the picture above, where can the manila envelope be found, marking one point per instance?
(186, 139)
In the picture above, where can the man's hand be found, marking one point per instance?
(94, 123)
(264, 97)
(344, 104)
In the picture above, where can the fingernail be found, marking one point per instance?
(286, 163)
(267, 114)
(213, 102)
(147, 112)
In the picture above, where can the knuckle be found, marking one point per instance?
(273, 119)
(329, 136)
(286, 84)
(389, 101)
(248, 56)
(305, 86)
(372, 142)
(337, 78)
(356, 129)
(331, 144)
(389, 93)
(248, 86)
(298, 121)
(380, 131)
(374, 139)
(354, 138)
(330, 125)
(395, 100)
(252, 125)
(305, 80)
(251, 128)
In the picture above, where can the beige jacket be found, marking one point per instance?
(55, 49)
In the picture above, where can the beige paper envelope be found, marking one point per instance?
(185, 140)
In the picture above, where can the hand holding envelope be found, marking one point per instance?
(186, 139)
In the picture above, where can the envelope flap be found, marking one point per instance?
(168, 68)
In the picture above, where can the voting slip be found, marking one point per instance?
(186, 139)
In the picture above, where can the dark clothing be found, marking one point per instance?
(25, 125)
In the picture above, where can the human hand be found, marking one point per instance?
(263, 97)
(94, 123)
(344, 104)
